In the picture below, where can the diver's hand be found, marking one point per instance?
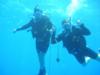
(15, 30)
(79, 23)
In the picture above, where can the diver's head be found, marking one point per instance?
(37, 13)
(66, 24)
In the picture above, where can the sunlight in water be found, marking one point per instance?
(72, 7)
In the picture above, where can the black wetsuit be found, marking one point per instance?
(40, 30)
(75, 43)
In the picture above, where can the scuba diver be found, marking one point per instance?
(74, 41)
(42, 29)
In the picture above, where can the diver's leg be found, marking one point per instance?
(41, 56)
(80, 58)
(41, 50)
(92, 54)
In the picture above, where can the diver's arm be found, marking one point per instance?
(24, 26)
(85, 30)
(55, 39)
(21, 28)
(60, 37)
(82, 30)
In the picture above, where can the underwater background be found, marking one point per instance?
(18, 55)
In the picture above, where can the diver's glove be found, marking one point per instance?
(15, 30)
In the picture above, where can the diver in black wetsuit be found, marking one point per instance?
(74, 41)
(42, 30)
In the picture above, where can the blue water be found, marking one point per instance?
(17, 51)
